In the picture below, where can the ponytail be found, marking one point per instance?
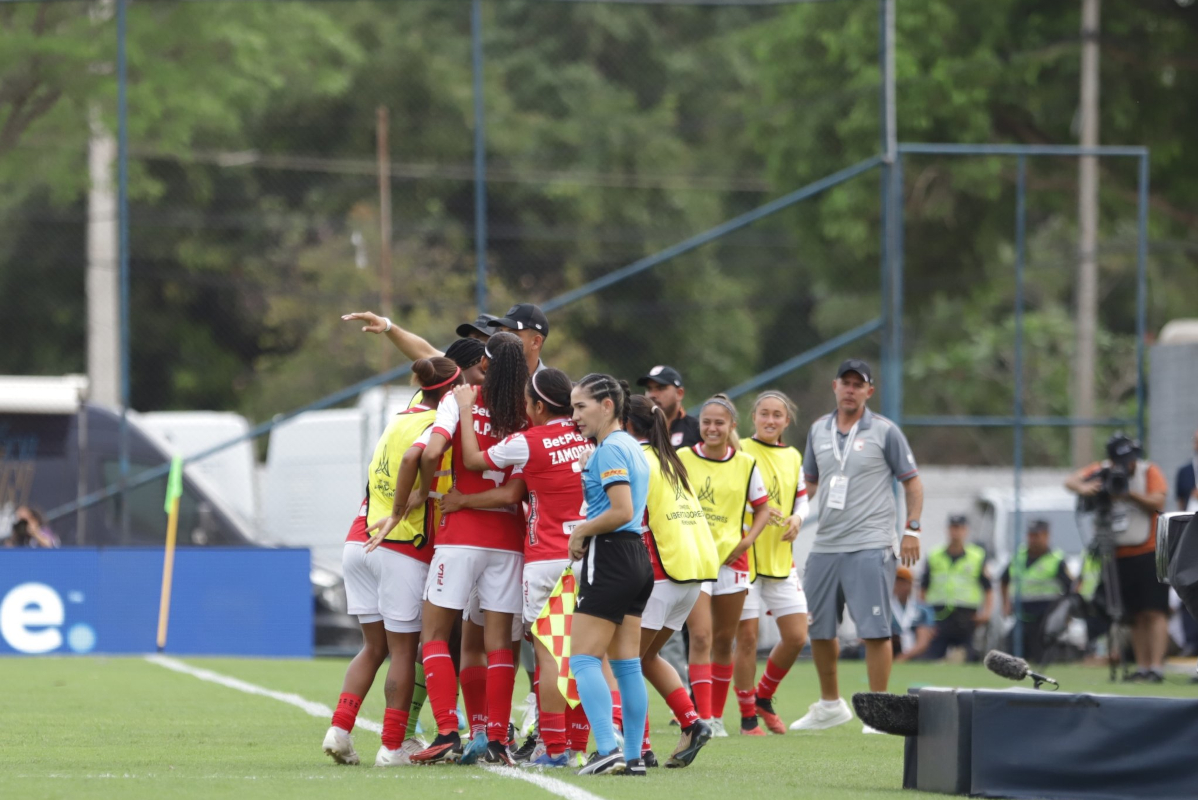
(551, 388)
(647, 421)
(435, 376)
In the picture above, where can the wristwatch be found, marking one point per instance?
(912, 528)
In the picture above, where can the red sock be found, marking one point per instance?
(395, 723)
(747, 702)
(442, 685)
(501, 680)
(578, 728)
(721, 680)
(474, 695)
(684, 710)
(347, 711)
(617, 711)
(553, 732)
(770, 679)
(645, 746)
(701, 686)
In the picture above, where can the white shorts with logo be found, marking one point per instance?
(456, 572)
(360, 571)
(669, 605)
(539, 579)
(729, 581)
(401, 590)
(779, 597)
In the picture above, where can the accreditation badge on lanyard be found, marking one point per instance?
(838, 489)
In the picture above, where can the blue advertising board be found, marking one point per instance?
(240, 601)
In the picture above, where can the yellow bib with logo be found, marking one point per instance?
(722, 488)
(779, 468)
(684, 543)
(401, 433)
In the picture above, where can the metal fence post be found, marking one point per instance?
(1141, 291)
(480, 158)
(1020, 234)
(122, 111)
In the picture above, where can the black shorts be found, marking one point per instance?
(617, 578)
(1138, 584)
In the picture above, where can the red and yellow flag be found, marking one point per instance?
(553, 629)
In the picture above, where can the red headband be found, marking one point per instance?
(456, 372)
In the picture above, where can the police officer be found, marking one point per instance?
(957, 587)
(1041, 579)
(663, 385)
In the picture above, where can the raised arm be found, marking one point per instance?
(472, 455)
(408, 343)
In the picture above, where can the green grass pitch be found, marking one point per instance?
(124, 727)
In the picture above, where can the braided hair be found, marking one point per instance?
(603, 387)
(647, 421)
(503, 388)
(551, 387)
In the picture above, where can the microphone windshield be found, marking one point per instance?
(1006, 666)
(890, 713)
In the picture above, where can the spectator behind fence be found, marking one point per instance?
(957, 587)
(31, 530)
(1041, 579)
(1185, 488)
(912, 623)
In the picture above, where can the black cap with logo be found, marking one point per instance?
(523, 316)
(666, 376)
(478, 326)
(858, 366)
(956, 520)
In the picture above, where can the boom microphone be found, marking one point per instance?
(1014, 669)
(890, 713)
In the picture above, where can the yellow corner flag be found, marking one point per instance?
(174, 490)
(553, 629)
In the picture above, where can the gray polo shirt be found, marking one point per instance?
(879, 454)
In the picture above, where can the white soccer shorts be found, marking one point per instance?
(669, 605)
(458, 571)
(361, 575)
(729, 581)
(780, 597)
(401, 590)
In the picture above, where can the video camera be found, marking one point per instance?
(1122, 452)
(1177, 555)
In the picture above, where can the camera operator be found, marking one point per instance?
(1125, 493)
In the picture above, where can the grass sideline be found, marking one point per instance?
(93, 727)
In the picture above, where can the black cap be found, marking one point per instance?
(666, 376)
(1123, 449)
(858, 366)
(478, 326)
(958, 519)
(523, 316)
(1038, 526)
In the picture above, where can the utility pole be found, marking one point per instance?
(103, 284)
(384, 167)
(1085, 364)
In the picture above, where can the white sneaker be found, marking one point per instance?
(868, 729)
(401, 756)
(529, 721)
(576, 759)
(339, 745)
(818, 717)
(717, 728)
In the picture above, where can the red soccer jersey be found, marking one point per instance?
(357, 533)
(489, 529)
(546, 458)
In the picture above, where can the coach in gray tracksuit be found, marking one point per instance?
(852, 458)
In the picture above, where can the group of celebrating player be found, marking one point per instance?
(502, 474)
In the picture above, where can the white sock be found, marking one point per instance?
(830, 703)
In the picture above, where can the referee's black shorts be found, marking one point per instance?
(617, 578)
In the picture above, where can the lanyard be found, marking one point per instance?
(842, 457)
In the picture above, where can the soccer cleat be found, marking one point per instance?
(650, 759)
(497, 754)
(619, 737)
(819, 718)
(526, 751)
(528, 722)
(546, 761)
(692, 741)
(445, 749)
(868, 729)
(610, 764)
(340, 745)
(401, 756)
(749, 727)
(717, 728)
(474, 749)
(577, 759)
(765, 710)
(636, 768)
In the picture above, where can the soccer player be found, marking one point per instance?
(383, 587)
(616, 577)
(683, 555)
(725, 480)
(544, 463)
(777, 586)
(476, 551)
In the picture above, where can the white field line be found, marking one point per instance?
(552, 785)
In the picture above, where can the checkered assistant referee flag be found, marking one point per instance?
(553, 629)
